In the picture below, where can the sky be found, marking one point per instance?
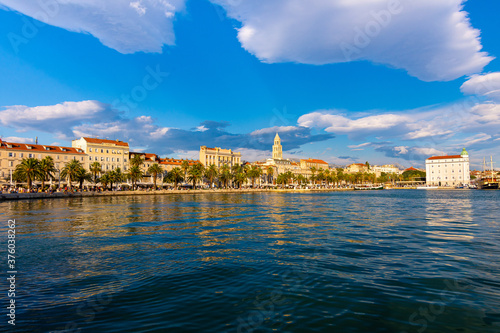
(346, 81)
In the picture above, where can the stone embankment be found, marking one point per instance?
(36, 196)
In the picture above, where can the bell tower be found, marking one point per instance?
(277, 148)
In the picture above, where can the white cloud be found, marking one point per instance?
(432, 40)
(333, 122)
(58, 119)
(274, 130)
(16, 139)
(128, 27)
(486, 85)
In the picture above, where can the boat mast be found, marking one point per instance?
(491, 158)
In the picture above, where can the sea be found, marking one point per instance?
(365, 261)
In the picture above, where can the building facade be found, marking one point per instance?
(313, 163)
(356, 167)
(12, 154)
(218, 156)
(111, 154)
(450, 170)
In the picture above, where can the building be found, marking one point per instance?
(277, 148)
(111, 154)
(169, 163)
(12, 154)
(388, 169)
(218, 156)
(312, 163)
(448, 170)
(356, 167)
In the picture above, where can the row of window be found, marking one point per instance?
(446, 178)
(22, 155)
(96, 150)
(107, 159)
(446, 165)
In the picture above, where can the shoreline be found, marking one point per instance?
(58, 195)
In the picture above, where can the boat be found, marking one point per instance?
(427, 187)
(368, 188)
(487, 183)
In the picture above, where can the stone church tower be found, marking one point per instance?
(277, 148)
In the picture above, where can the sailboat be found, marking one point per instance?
(488, 183)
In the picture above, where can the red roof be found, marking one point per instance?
(28, 147)
(98, 141)
(412, 169)
(310, 160)
(173, 161)
(444, 157)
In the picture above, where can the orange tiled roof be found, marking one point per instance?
(444, 157)
(311, 160)
(28, 147)
(173, 161)
(98, 141)
(412, 169)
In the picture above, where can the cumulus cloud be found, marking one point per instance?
(486, 85)
(415, 155)
(431, 40)
(126, 26)
(17, 139)
(58, 119)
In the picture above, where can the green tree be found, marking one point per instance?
(105, 180)
(155, 170)
(134, 174)
(313, 177)
(211, 173)
(185, 167)
(137, 160)
(29, 170)
(254, 172)
(175, 176)
(225, 175)
(270, 173)
(82, 176)
(95, 169)
(71, 171)
(195, 173)
(47, 169)
(116, 177)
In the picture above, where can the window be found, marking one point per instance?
(107, 159)
(107, 151)
(102, 150)
(90, 158)
(118, 159)
(102, 159)
(82, 158)
(11, 163)
(30, 155)
(22, 155)
(112, 159)
(90, 149)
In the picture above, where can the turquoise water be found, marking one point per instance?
(384, 261)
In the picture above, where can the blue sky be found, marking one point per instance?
(384, 81)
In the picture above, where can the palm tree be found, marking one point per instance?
(137, 160)
(96, 169)
(254, 172)
(313, 177)
(82, 176)
(71, 171)
(134, 174)
(28, 169)
(116, 176)
(240, 178)
(340, 175)
(105, 180)
(195, 173)
(155, 170)
(210, 173)
(270, 173)
(175, 176)
(185, 167)
(225, 175)
(46, 169)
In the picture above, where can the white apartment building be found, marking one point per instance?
(448, 170)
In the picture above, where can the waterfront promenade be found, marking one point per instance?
(28, 196)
